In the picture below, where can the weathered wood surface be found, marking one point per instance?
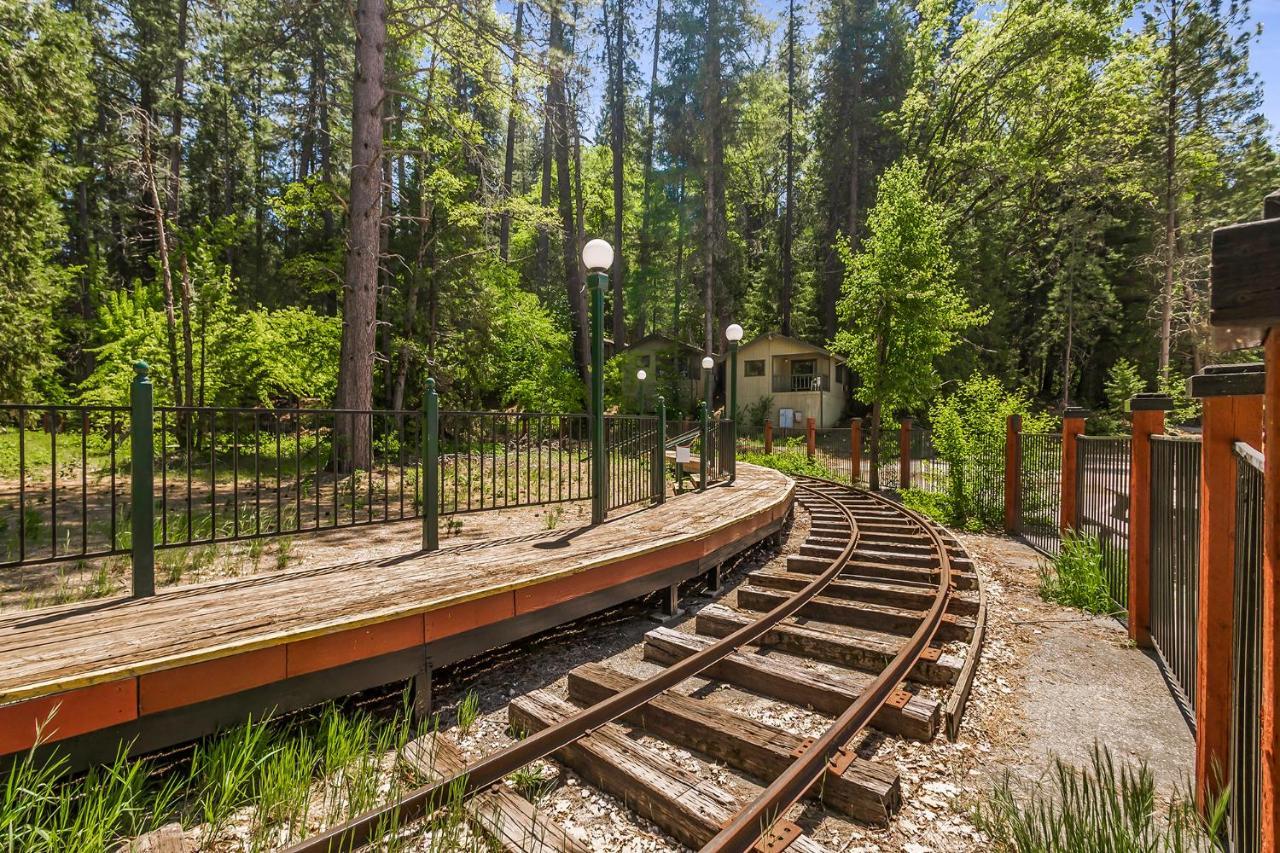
(876, 592)
(778, 679)
(859, 568)
(860, 614)
(1242, 270)
(53, 649)
(689, 807)
(508, 820)
(959, 698)
(869, 651)
(867, 790)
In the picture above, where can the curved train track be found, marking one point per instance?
(876, 590)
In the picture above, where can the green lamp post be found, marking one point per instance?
(733, 334)
(641, 376)
(597, 257)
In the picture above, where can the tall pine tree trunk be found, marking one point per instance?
(646, 239)
(1170, 194)
(711, 181)
(617, 143)
(360, 284)
(509, 165)
(788, 214)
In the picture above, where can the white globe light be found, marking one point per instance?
(733, 334)
(708, 362)
(641, 375)
(597, 255)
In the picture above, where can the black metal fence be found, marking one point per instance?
(889, 445)
(929, 471)
(634, 450)
(64, 483)
(1102, 505)
(1175, 558)
(1040, 489)
(1245, 802)
(833, 449)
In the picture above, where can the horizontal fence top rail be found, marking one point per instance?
(1249, 454)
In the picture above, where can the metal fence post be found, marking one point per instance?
(142, 482)
(768, 437)
(1147, 411)
(1012, 473)
(1072, 425)
(706, 449)
(904, 453)
(660, 454)
(430, 467)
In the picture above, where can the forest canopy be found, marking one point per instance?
(324, 203)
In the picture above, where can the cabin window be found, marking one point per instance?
(753, 367)
(840, 373)
(644, 361)
(804, 367)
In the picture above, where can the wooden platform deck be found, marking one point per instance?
(183, 662)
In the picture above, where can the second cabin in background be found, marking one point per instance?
(798, 379)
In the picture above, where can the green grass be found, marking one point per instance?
(1098, 808)
(793, 461)
(279, 780)
(1074, 578)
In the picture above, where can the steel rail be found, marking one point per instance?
(756, 820)
(490, 770)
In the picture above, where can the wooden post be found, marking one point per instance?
(1232, 397)
(810, 437)
(855, 449)
(768, 436)
(904, 453)
(1271, 595)
(1147, 411)
(1244, 311)
(1012, 473)
(1072, 426)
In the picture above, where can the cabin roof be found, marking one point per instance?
(661, 340)
(800, 346)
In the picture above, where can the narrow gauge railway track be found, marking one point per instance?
(876, 591)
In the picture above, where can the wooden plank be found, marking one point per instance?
(57, 649)
(1242, 268)
(868, 791)
(862, 650)
(959, 698)
(690, 807)
(876, 592)
(826, 693)
(511, 822)
(875, 617)
(961, 573)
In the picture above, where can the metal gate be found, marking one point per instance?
(1175, 560)
(1102, 505)
(1040, 486)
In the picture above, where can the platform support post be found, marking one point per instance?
(810, 437)
(704, 422)
(1147, 413)
(142, 482)
(1232, 400)
(855, 450)
(904, 453)
(1012, 473)
(671, 601)
(430, 467)
(714, 578)
(1072, 427)
(768, 437)
(422, 700)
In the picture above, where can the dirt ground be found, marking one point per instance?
(1051, 682)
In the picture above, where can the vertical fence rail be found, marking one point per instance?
(1040, 487)
(1175, 559)
(631, 441)
(889, 450)
(1245, 802)
(1102, 506)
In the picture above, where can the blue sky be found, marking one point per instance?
(1265, 58)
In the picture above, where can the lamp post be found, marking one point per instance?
(641, 376)
(707, 364)
(597, 257)
(733, 334)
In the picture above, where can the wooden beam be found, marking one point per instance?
(1270, 698)
(874, 617)
(875, 592)
(1012, 473)
(686, 805)
(861, 650)
(1243, 263)
(868, 791)
(1072, 426)
(1148, 419)
(777, 679)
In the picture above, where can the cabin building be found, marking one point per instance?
(674, 370)
(800, 381)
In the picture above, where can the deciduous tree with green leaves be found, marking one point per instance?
(899, 308)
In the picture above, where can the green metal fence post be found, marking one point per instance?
(430, 468)
(733, 409)
(660, 454)
(142, 486)
(598, 282)
(706, 449)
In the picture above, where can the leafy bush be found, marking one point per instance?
(933, 504)
(795, 462)
(1075, 577)
(1095, 808)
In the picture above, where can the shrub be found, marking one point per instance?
(1075, 577)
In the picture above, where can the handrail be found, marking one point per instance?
(1250, 454)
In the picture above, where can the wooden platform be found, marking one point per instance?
(188, 660)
